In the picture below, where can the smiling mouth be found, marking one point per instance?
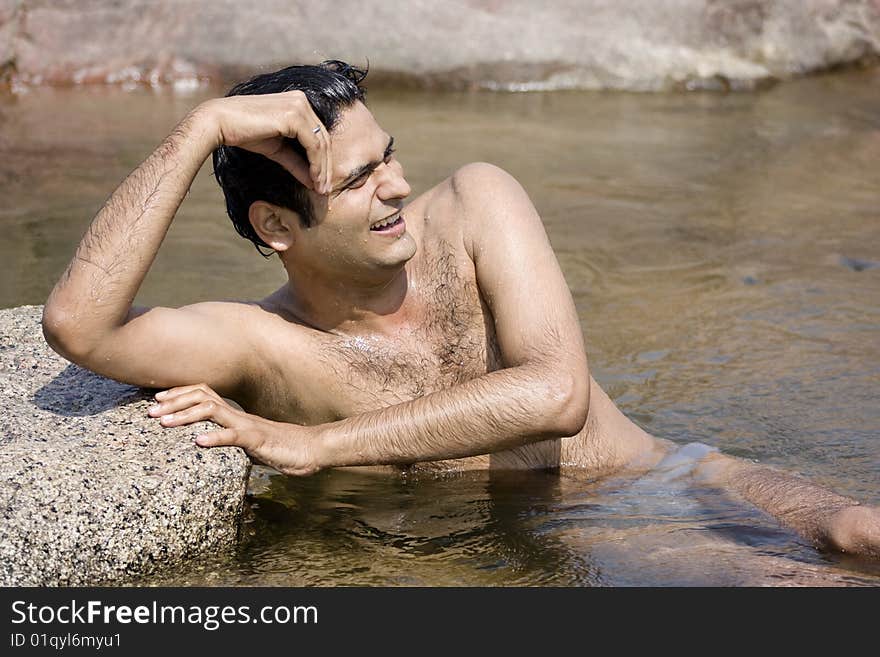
(387, 223)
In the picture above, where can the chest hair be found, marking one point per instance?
(454, 342)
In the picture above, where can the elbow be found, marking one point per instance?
(571, 396)
(53, 323)
(59, 330)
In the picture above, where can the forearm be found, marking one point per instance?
(97, 289)
(501, 410)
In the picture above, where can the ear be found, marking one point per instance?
(273, 224)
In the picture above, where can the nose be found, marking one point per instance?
(392, 184)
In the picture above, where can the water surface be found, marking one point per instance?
(724, 256)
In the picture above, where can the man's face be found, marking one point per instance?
(358, 228)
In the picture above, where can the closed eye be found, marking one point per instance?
(359, 181)
(367, 170)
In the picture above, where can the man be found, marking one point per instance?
(439, 333)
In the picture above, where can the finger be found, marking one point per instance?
(182, 401)
(218, 438)
(295, 164)
(318, 151)
(279, 150)
(326, 168)
(329, 168)
(171, 393)
(206, 410)
(313, 136)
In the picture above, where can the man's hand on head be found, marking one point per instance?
(288, 448)
(261, 123)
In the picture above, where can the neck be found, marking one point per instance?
(346, 307)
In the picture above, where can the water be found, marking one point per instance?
(724, 255)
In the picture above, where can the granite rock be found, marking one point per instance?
(92, 490)
(506, 44)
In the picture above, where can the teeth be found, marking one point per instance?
(385, 222)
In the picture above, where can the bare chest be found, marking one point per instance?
(449, 340)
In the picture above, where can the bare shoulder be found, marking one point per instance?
(476, 184)
(472, 196)
(247, 325)
(221, 310)
(253, 320)
(274, 349)
(234, 325)
(241, 318)
(475, 176)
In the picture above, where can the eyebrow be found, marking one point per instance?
(356, 173)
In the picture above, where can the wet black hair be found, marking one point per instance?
(245, 177)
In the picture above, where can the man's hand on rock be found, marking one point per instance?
(288, 448)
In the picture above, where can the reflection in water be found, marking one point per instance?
(722, 251)
(348, 527)
(508, 529)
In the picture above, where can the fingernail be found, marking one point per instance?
(159, 395)
(154, 409)
(167, 418)
(201, 440)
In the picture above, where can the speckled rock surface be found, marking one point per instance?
(515, 44)
(92, 490)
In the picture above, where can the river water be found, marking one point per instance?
(724, 255)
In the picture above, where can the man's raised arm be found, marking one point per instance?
(89, 317)
(542, 392)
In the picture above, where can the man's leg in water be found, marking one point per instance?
(827, 519)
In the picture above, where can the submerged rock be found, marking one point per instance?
(515, 44)
(93, 490)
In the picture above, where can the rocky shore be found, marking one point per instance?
(92, 490)
(498, 44)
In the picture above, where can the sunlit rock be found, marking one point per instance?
(515, 44)
(93, 490)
